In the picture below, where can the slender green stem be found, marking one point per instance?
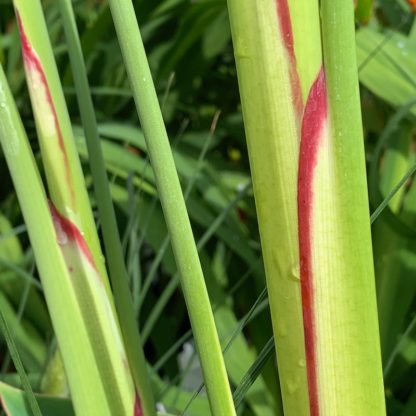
(112, 243)
(173, 204)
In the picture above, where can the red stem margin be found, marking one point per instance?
(32, 61)
(138, 407)
(315, 117)
(285, 23)
(71, 232)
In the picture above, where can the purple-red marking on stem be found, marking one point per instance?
(32, 63)
(314, 119)
(138, 407)
(67, 232)
(283, 14)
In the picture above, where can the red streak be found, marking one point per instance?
(313, 122)
(138, 407)
(72, 233)
(32, 63)
(283, 13)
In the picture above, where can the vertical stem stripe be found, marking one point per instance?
(313, 122)
(33, 64)
(283, 13)
(68, 231)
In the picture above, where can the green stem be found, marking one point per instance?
(113, 249)
(346, 301)
(269, 83)
(63, 304)
(63, 171)
(174, 208)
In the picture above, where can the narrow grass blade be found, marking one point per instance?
(30, 344)
(233, 336)
(175, 347)
(174, 282)
(253, 372)
(392, 193)
(402, 341)
(19, 366)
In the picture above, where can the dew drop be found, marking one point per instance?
(281, 331)
(241, 186)
(295, 272)
(62, 238)
(61, 235)
(301, 363)
(241, 50)
(292, 386)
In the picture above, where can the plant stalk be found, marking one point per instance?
(174, 208)
(111, 236)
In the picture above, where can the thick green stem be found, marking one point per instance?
(63, 170)
(83, 375)
(311, 200)
(278, 56)
(174, 208)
